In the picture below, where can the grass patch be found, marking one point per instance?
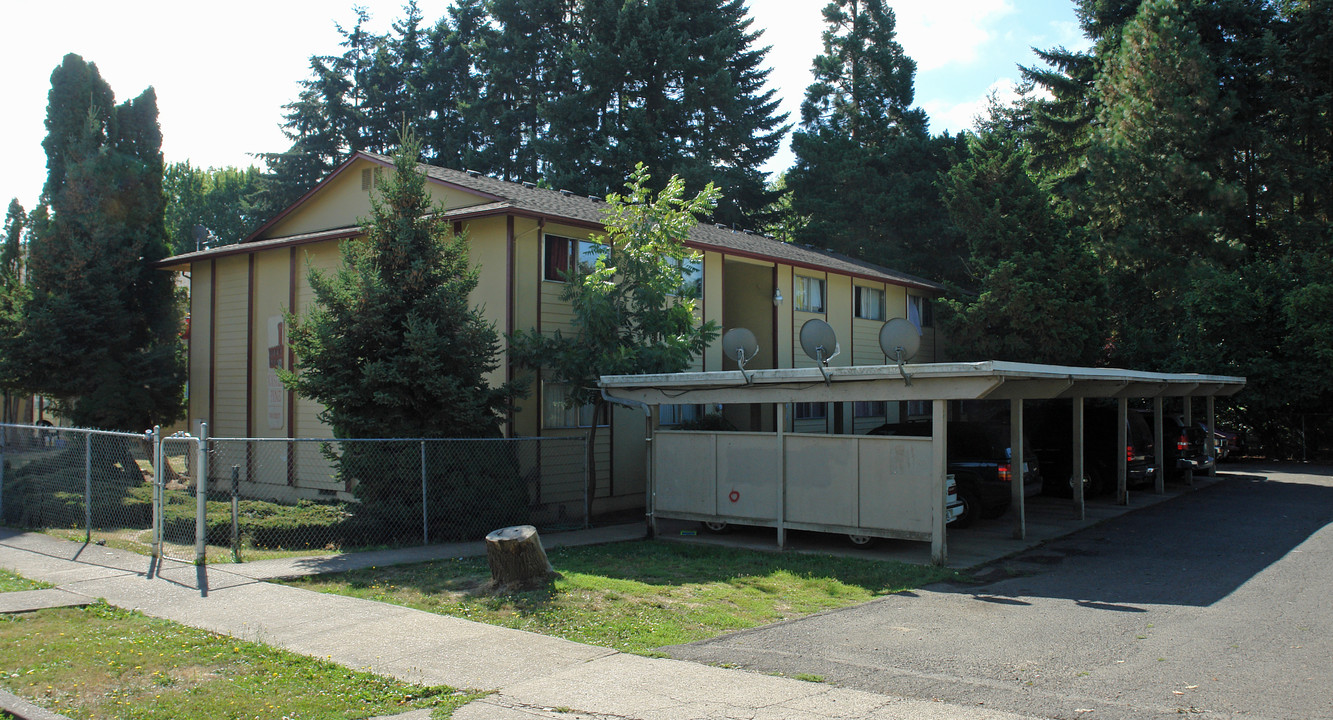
(102, 662)
(636, 596)
(807, 677)
(9, 582)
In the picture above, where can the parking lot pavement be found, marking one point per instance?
(1214, 602)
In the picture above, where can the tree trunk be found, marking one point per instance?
(517, 558)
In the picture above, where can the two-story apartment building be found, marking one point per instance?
(522, 239)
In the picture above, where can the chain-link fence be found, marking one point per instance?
(272, 497)
(85, 485)
(334, 495)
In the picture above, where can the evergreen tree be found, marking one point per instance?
(454, 133)
(1041, 297)
(630, 313)
(865, 166)
(100, 332)
(11, 253)
(391, 347)
(678, 86)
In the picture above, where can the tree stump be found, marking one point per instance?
(517, 558)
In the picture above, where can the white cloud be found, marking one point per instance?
(936, 34)
(958, 116)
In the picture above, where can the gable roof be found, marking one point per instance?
(502, 197)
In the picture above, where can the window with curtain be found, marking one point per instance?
(809, 411)
(869, 409)
(809, 292)
(869, 303)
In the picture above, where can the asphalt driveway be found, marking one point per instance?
(1216, 603)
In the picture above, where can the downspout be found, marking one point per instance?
(649, 489)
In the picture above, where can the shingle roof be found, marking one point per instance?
(505, 197)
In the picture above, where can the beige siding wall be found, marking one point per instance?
(342, 202)
(324, 257)
(201, 326)
(273, 271)
(488, 253)
(838, 314)
(710, 308)
(229, 373)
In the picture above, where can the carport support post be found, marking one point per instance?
(1189, 422)
(782, 474)
(1122, 459)
(1211, 444)
(1159, 440)
(1076, 478)
(650, 487)
(939, 549)
(1016, 461)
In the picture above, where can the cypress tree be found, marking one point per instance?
(100, 330)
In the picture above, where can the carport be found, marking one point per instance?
(871, 486)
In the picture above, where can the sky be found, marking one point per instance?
(223, 71)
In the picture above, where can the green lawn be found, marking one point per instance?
(9, 582)
(637, 596)
(101, 662)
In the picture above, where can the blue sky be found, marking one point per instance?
(223, 70)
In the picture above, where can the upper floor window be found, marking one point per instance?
(919, 311)
(564, 254)
(691, 278)
(869, 303)
(809, 294)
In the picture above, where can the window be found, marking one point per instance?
(919, 311)
(677, 414)
(563, 252)
(869, 303)
(809, 411)
(918, 409)
(809, 294)
(869, 409)
(691, 278)
(555, 414)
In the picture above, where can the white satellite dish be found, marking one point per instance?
(740, 345)
(900, 340)
(820, 342)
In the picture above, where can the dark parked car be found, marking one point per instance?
(979, 460)
(1051, 427)
(1186, 446)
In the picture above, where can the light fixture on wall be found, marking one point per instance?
(777, 298)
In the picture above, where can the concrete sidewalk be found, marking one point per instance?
(533, 676)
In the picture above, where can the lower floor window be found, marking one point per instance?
(809, 411)
(870, 408)
(556, 413)
(678, 414)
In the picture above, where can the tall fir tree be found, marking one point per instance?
(100, 331)
(865, 164)
(1041, 295)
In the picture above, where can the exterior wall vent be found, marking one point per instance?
(365, 179)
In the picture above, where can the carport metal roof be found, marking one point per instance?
(992, 379)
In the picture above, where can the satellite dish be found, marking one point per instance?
(820, 342)
(900, 340)
(740, 345)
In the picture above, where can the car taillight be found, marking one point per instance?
(1183, 443)
(1005, 473)
(1129, 453)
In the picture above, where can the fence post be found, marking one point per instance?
(201, 496)
(156, 436)
(88, 487)
(425, 514)
(236, 513)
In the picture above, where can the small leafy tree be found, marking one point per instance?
(392, 348)
(632, 313)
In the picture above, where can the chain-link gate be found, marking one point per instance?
(180, 502)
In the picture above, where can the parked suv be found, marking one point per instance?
(979, 459)
(1051, 427)
(1186, 447)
